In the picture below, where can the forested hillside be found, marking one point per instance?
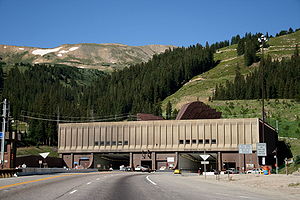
(279, 78)
(40, 94)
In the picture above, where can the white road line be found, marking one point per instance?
(150, 180)
(89, 183)
(222, 194)
(97, 179)
(73, 191)
(244, 197)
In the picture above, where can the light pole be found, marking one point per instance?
(262, 39)
(4, 115)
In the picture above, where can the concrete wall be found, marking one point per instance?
(165, 135)
(39, 171)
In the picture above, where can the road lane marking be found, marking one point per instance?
(222, 194)
(52, 177)
(244, 197)
(73, 191)
(150, 180)
(97, 179)
(89, 183)
(26, 182)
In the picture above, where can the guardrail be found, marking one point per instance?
(7, 173)
(41, 171)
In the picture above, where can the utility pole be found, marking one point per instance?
(4, 115)
(57, 122)
(277, 129)
(205, 165)
(263, 39)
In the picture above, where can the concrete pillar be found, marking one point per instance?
(131, 160)
(153, 158)
(72, 160)
(219, 161)
(176, 160)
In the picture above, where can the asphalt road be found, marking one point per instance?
(121, 185)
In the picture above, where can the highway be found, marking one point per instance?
(121, 185)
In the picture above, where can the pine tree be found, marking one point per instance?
(241, 47)
(169, 110)
(296, 52)
(174, 114)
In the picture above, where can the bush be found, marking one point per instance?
(297, 160)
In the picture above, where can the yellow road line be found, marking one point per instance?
(42, 179)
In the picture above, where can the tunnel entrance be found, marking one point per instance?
(147, 163)
(111, 160)
(228, 165)
(192, 162)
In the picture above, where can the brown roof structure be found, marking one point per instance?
(147, 117)
(197, 110)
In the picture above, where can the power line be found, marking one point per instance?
(77, 121)
(68, 117)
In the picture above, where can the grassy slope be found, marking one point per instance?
(287, 112)
(201, 86)
(25, 151)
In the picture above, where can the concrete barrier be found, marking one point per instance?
(40, 171)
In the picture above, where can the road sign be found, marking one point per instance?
(261, 149)
(245, 148)
(44, 155)
(1, 135)
(204, 157)
(204, 162)
(263, 160)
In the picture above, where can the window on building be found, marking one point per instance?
(200, 141)
(206, 141)
(120, 143)
(214, 141)
(101, 143)
(181, 142)
(125, 142)
(96, 143)
(107, 143)
(188, 142)
(114, 143)
(194, 141)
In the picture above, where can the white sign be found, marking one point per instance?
(170, 159)
(44, 155)
(261, 149)
(204, 157)
(263, 161)
(204, 162)
(40, 162)
(245, 148)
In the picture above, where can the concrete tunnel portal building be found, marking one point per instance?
(165, 143)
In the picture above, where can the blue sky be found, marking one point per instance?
(50, 23)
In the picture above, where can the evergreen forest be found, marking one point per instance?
(42, 94)
(278, 80)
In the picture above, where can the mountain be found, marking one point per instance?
(105, 57)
